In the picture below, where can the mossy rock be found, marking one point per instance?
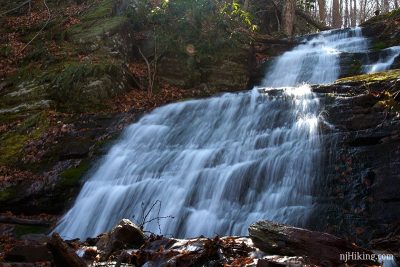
(21, 230)
(371, 78)
(97, 22)
(393, 15)
(12, 143)
(8, 194)
(72, 176)
(85, 86)
(228, 75)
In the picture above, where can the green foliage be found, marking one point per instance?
(307, 4)
(38, 53)
(207, 26)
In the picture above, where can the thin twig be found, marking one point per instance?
(15, 8)
(40, 31)
(148, 67)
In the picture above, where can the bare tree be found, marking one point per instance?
(346, 14)
(322, 10)
(288, 17)
(385, 6)
(246, 5)
(353, 13)
(336, 17)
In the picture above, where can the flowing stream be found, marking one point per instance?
(219, 164)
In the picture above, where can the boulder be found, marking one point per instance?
(125, 235)
(318, 247)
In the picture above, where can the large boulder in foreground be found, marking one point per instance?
(124, 234)
(318, 247)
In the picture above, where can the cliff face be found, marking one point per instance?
(359, 196)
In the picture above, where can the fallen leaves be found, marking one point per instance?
(28, 21)
(11, 176)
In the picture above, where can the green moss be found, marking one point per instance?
(8, 194)
(11, 146)
(383, 17)
(96, 22)
(90, 30)
(379, 46)
(72, 177)
(20, 230)
(38, 53)
(5, 50)
(102, 10)
(356, 68)
(374, 77)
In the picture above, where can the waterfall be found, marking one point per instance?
(387, 58)
(219, 164)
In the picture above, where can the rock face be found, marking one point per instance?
(320, 248)
(358, 195)
(125, 234)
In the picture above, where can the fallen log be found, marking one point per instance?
(269, 40)
(319, 25)
(62, 253)
(21, 221)
(318, 247)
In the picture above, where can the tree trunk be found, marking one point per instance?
(246, 5)
(363, 12)
(63, 254)
(377, 5)
(346, 14)
(288, 17)
(21, 221)
(353, 13)
(385, 6)
(396, 4)
(322, 10)
(336, 17)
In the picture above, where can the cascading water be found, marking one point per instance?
(219, 164)
(387, 58)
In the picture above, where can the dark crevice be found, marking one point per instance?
(365, 141)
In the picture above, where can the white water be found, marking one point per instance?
(316, 61)
(219, 164)
(387, 58)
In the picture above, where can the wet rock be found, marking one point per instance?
(75, 150)
(318, 247)
(125, 235)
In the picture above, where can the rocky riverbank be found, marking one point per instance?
(268, 244)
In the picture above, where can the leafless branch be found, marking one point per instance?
(41, 30)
